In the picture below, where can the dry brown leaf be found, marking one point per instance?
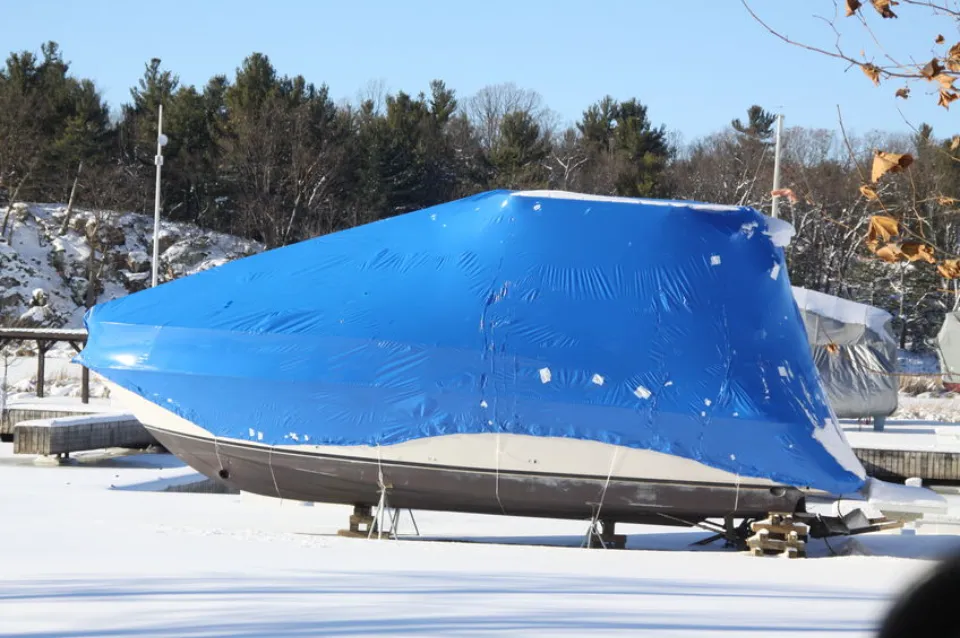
(882, 228)
(872, 71)
(940, 39)
(953, 57)
(786, 192)
(884, 163)
(832, 348)
(950, 268)
(903, 92)
(852, 6)
(946, 81)
(946, 97)
(868, 192)
(883, 7)
(944, 200)
(890, 253)
(954, 142)
(915, 251)
(932, 69)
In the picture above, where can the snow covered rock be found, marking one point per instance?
(38, 257)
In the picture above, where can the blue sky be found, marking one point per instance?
(696, 63)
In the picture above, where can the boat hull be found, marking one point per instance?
(526, 476)
(307, 476)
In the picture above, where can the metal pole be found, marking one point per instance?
(775, 209)
(156, 209)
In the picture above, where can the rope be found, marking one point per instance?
(606, 483)
(216, 450)
(273, 475)
(497, 486)
(603, 493)
(736, 499)
(381, 505)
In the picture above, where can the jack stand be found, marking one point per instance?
(361, 516)
(395, 523)
(779, 533)
(601, 533)
(381, 510)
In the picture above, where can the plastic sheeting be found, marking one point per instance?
(855, 352)
(948, 348)
(661, 325)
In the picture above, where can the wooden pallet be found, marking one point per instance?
(779, 534)
(362, 517)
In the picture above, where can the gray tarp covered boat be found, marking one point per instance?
(948, 350)
(855, 352)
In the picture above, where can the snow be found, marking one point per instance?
(904, 498)
(101, 550)
(94, 419)
(929, 408)
(780, 232)
(61, 404)
(62, 378)
(554, 194)
(916, 436)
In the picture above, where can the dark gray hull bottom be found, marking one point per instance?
(303, 476)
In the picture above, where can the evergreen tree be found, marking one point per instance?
(520, 152)
(50, 121)
(759, 125)
(627, 154)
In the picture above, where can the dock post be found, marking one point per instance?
(84, 376)
(42, 347)
(85, 385)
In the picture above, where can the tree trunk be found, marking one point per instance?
(13, 198)
(73, 191)
(903, 320)
(91, 296)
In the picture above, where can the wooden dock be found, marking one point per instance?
(41, 410)
(903, 450)
(45, 338)
(65, 435)
(899, 465)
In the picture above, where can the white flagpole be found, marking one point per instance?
(161, 142)
(775, 208)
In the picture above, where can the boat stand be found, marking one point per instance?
(365, 524)
(779, 534)
(602, 533)
(362, 517)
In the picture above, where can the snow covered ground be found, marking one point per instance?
(88, 551)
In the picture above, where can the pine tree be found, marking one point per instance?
(627, 155)
(520, 152)
(759, 124)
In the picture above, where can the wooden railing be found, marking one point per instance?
(45, 339)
